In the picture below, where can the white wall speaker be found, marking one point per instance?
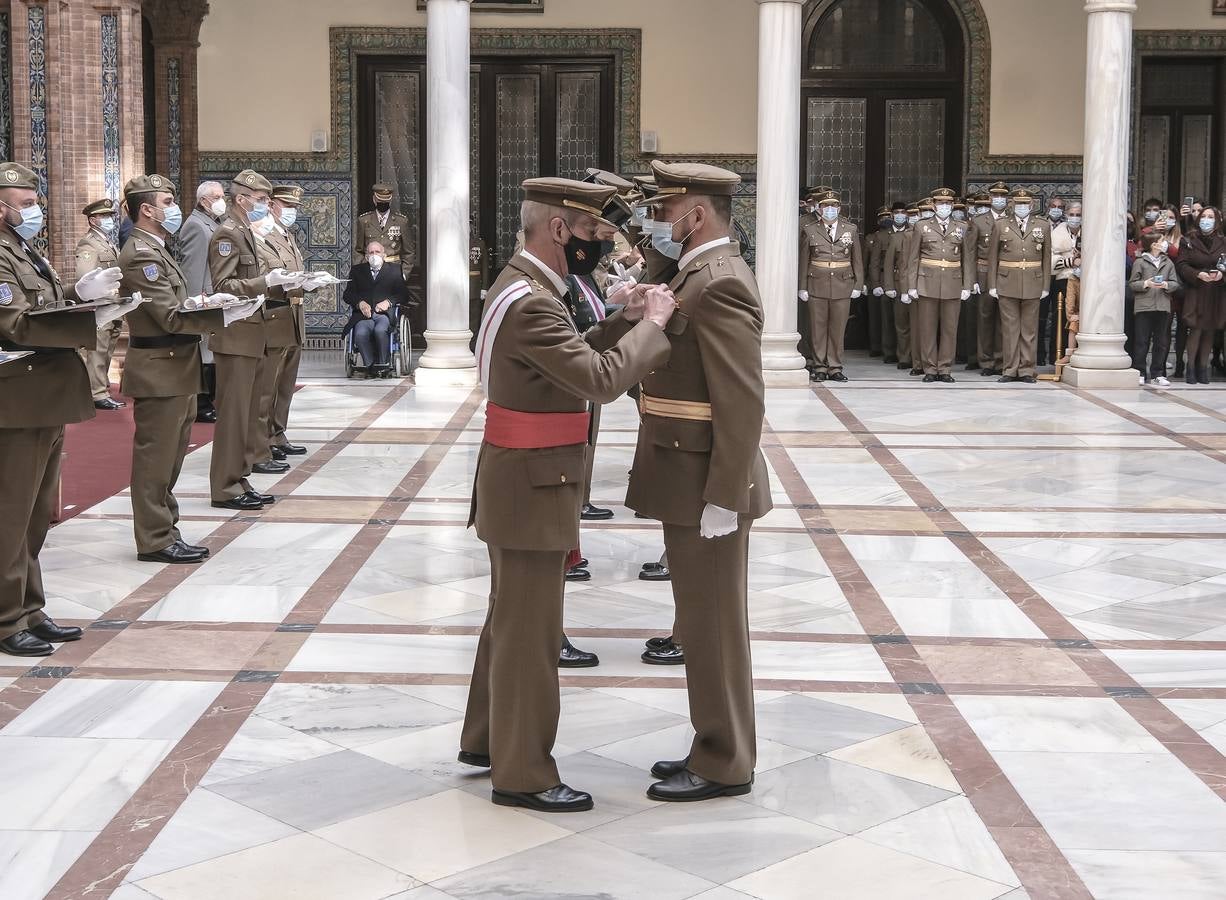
(319, 141)
(650, 142)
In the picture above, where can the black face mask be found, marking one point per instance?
(582, 256)
(383, 207)
(884, 224)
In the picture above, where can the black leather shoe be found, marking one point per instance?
(669, 655)
(945, 379)
(686, 787)
(207, 416)
(591, 513)
(657, 642)
(479, 760)
(667, 768)
(904, 365)
(837, 376)
(915, 371)
(241, 502)
(1202, 374)
(560, 799)
(1028, 379)
(874, 353)
(278, 454)
(25, 644)
(271, 467)
(1008, 379)
(48, 631)
(571, 657)
(290, 449)
(988, 373)
(929, 379)
(175, 554)
(655, 572)
(195, 548)
(109, 403)
(818, 376)
(971, 367)
(264, 499)
(889, 360)
(578, 573)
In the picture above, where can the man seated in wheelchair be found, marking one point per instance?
(375, 293)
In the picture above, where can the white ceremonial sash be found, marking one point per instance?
(490, 324)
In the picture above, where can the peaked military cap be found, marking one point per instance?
(288, 193)
(959, 203)
(944, 194)
(815, 193)
(103, 207)
(829, 198)
(883, 212)
(253, 180)
(382, 191)
(1021, 194)
(570, 194)
(15, 175)
(999, 188)
(609, 179)
(981, 197)
(925, 203)
(698, 179)
(913, 209)
(146, 184)
(646, 185)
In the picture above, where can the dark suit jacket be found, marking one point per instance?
(364, 286)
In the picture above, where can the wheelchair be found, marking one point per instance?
(401, 345)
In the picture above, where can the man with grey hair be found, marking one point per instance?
(194, 240)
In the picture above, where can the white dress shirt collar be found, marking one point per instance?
(150, 234)
(702, 248)
(559, 283)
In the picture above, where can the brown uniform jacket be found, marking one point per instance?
(1011, 243)
(981, 231)
(392, 237)
(942, 261)
(280, 325)
(530, 499)
(681, 465)
(291, 254)
(894, 259)
(874, 258)
(50, 388)
(830, 270)
(94, 250)
(173, 371)
(235, 268)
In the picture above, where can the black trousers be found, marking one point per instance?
(1150, 327)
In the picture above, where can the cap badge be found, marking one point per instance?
(10, 176)
(250, 179)
(155, 181)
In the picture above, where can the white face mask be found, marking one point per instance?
(107, 225)
(830, 213)
(1074, 221)
(375, 260)
(289, 216)
(218, 208)
(944, 210)
(999, 203)
(1022, 210)
(264, 226)
(1161, 247)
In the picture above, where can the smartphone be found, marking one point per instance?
(1187, 201)
(1159, 279)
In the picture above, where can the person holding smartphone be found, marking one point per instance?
(1202, 269)
(1153, 282)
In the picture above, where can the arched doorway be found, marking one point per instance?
(882, 94)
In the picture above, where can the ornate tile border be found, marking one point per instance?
(36, 24)
(174, 125)
(6, 88)
(109, 32)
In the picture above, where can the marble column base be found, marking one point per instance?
(782, 365)
(1100, 362)
(1099, 378)
(447, 361)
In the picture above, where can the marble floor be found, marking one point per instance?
(989, 628)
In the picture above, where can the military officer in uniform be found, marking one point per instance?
(939, 274)
(243, 352)
(162, 369)
(991, 357)
(97, 248)
(698, 469)
(831, 276)
(968, 321)
(286, 199)
(889, 334)
(539, 375)
(391, 229)
(1019, 276)
(874, 255)
(39, 395)
(894, 280)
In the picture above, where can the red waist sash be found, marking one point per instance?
(515, 430)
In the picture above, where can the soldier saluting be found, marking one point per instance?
(539, 375)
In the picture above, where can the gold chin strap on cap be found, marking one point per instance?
(583, 207)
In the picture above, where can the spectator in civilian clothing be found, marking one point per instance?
(1153, 282)
(1202, 259)
(375, 292)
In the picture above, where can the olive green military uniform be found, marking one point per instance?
(831, 271)
(1019, 270)
(894, 276)
(285, 369)
(940, 268)
(162, 373)
(39, 395)
(93, 250)
(391, 230)
(526, 501)
(803, 326)
(699, 444)
(880, 311)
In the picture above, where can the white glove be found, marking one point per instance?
(105, 315)
(855, 295)
(282, 278)
(976, 289)
(803, 295)
(877, 292)
(906, 299)
(219, 299)
(892, 294)
(635, 272)
(716, 522)
(913, 294)
(966, 295)
(99, 284)
(1043, 295)
(238, 313)
(993, 293)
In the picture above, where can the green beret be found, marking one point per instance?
(253, 181)
(145, 184)
(15, 175)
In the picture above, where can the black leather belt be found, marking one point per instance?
(14, 347)
(162, 341)
(276, 304)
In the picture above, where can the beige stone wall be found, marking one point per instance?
(699, 90)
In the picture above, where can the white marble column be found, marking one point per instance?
(779, 38)
(447, 360)
(1099, 360)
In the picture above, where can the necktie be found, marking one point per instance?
(39, 263)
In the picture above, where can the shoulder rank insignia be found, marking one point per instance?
(6, 295)
(224, 248)
(151, 272)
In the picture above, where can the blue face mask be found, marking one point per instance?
(960, 215)
(1207, 225)
(900, 218)
(259, 211)
(999, 203)
(289, 216)
(31, 221)
(172, 218)
(106, 225)
(662, 238)
(1055, 214)
(944, 210)
(830, 213)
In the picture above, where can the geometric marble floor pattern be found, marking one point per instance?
(989, 639)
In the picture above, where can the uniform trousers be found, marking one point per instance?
(805, 347)
(238, 418)
(874, 324)
(827, 330)
(513, 702)
(163, 430)
(1019, 335)
(98, 361)
(902, 329)
(938, 334)
(29, 486)
(284, 387)
(889, 338)
(590, 460)
(710, 587)
(258, 443)
(991, 355)
(968, 333)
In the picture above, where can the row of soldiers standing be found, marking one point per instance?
(917, 270)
